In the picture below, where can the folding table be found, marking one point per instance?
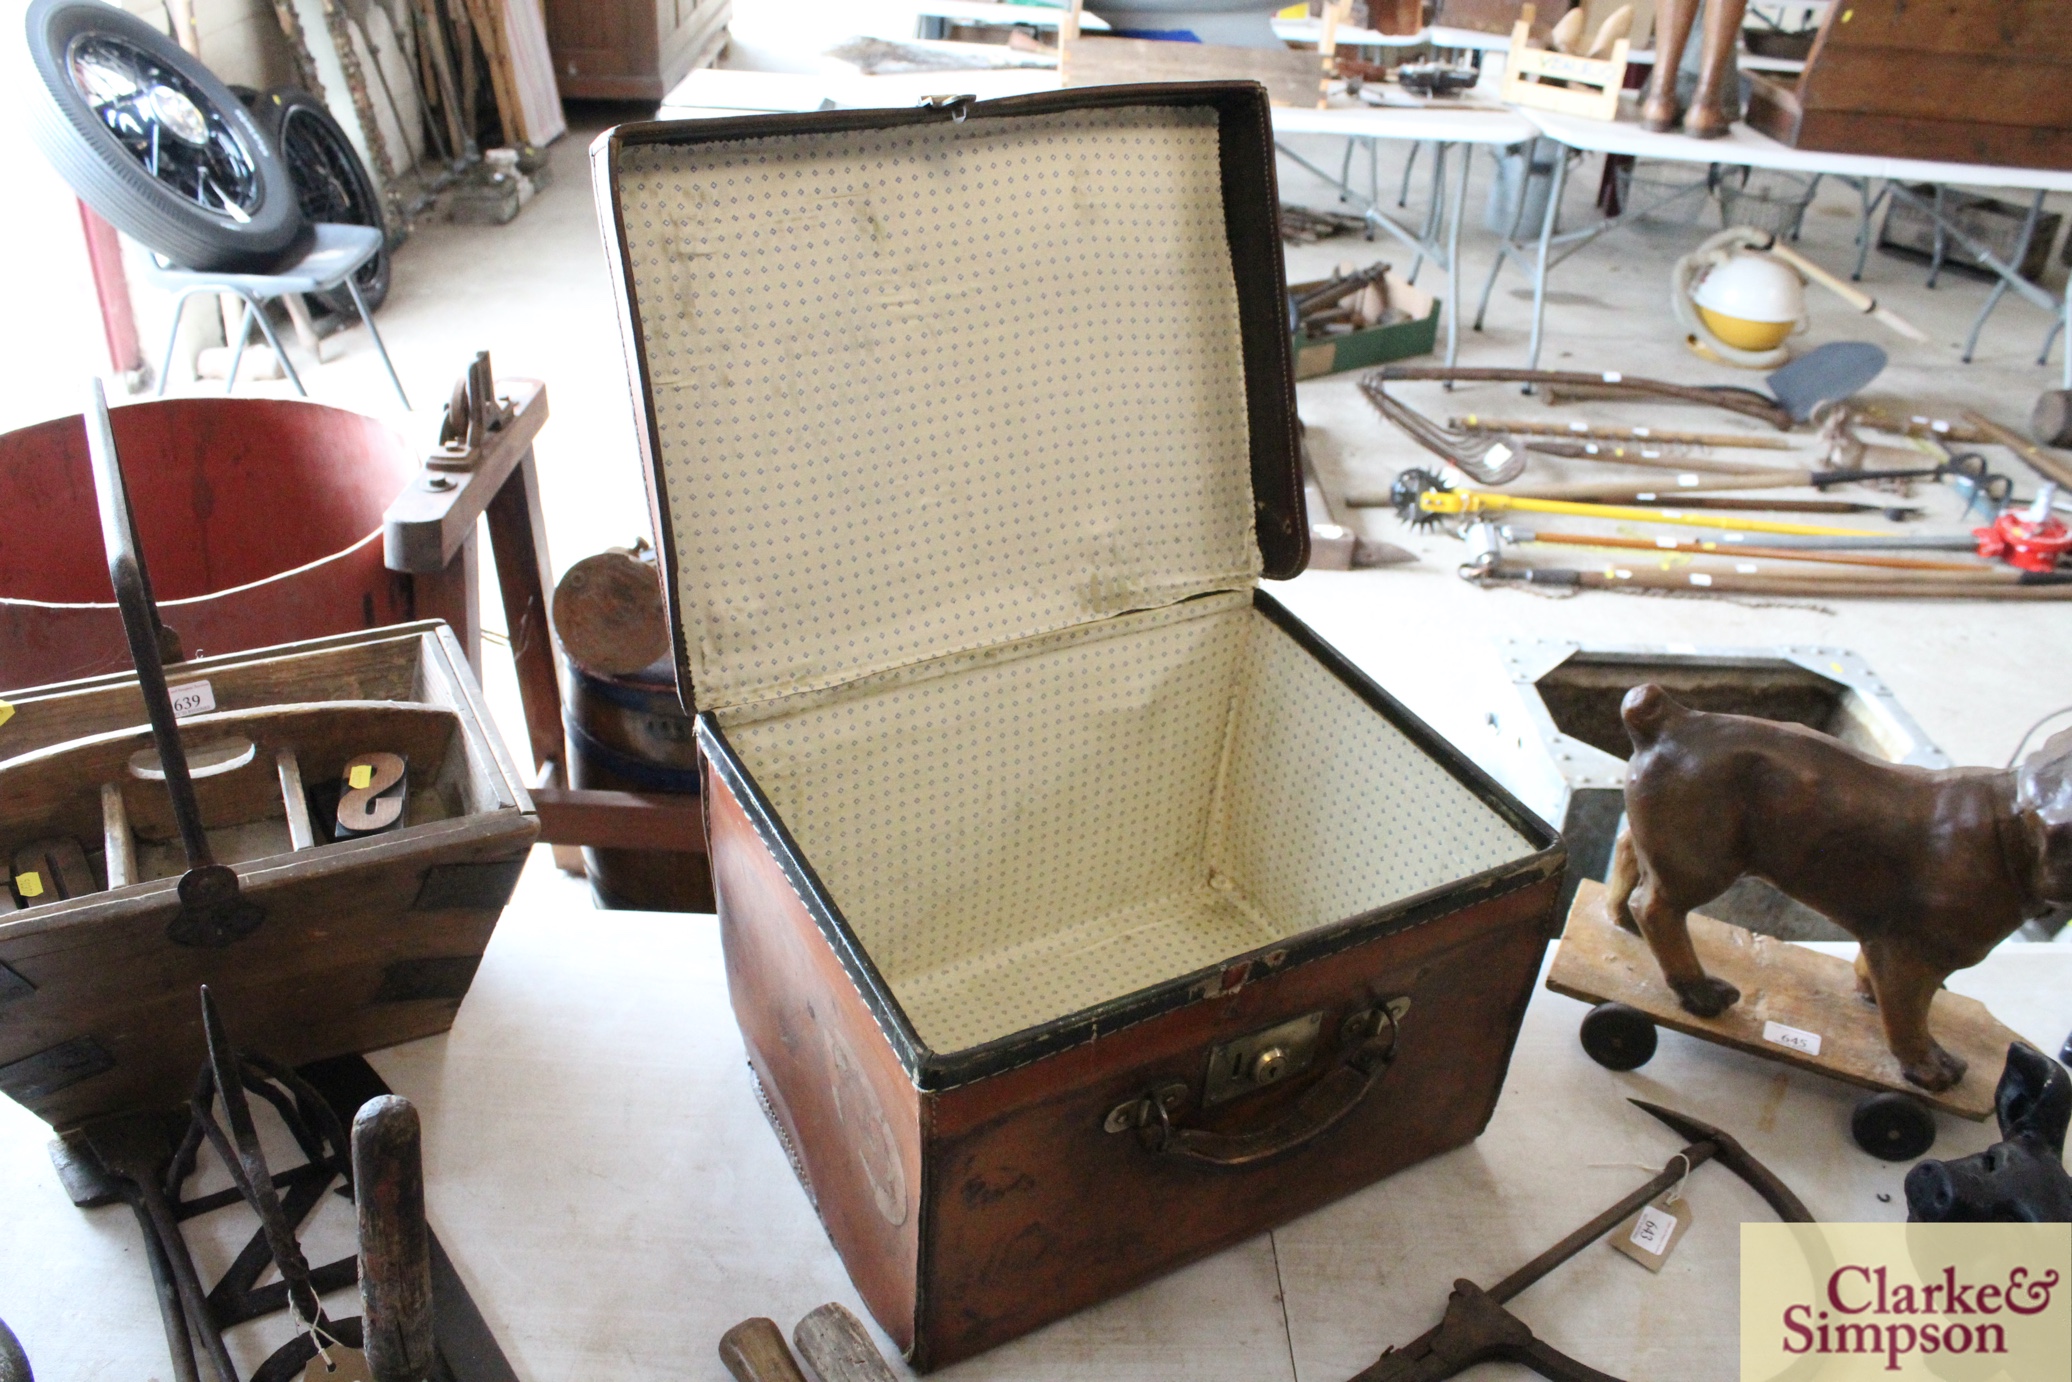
(1744, 147)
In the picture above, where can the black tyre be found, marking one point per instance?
(153, 142)
(1618, 1037)
(331, 183)
(1893, 1127)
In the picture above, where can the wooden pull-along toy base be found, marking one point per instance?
(1787, 991)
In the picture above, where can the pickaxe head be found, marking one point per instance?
(1735, 1158)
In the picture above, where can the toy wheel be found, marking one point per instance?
(1893, 1127)
(1618, 1037)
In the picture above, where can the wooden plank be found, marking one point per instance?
(1291, 78)
(1950, 141)
(301, 835)
(620, 820)
(1783, 983)
(1978, 87)
(1534, 77)
(532, 71)
(486, 18)
(387, 666)
(2025, 28)
(518, 538)
(425, 528)
(118, 842)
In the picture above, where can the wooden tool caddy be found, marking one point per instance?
(150, 854)
(1083, 912)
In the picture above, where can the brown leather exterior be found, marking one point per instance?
(1022, 1208)
(1035, 1211)
(843, 1103)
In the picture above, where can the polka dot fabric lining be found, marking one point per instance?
(1040, 829)
(924, 390)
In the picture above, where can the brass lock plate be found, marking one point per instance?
(1262, 1059)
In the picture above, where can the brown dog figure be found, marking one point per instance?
(1928, 869)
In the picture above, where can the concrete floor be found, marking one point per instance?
(1975, 674)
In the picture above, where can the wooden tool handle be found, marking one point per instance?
(2042, 462)
(754, 1351)
(838, 1348)
(1847, 292)
(395, 1242)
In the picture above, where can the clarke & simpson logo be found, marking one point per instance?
(1961, 1302)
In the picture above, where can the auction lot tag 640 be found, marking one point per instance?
(1842, 1302)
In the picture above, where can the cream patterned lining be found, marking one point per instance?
(954, 442)
(937, 388)
(1048, 827)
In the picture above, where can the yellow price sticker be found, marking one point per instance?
(359, 775)
(6, 712)
(29, 884)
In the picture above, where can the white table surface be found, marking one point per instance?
(712, 92)
(600, 1172)
(1452, 124)
(992, 12)
(1743, 146)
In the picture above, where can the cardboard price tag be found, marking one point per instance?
(346, 1365)
(1653, 1233)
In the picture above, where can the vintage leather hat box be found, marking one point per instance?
(1083, 912)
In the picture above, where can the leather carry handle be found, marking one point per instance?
(1325, 1105)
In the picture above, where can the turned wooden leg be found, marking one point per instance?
(1707, 117)
(1672, 30)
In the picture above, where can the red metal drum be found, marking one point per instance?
(260, 520)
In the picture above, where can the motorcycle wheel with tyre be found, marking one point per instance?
(154, 143)
(331, 183)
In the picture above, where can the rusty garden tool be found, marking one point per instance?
(136, 1150)
(213, 912)
(1608, 384)
(247, 1165)
(1477, 1328)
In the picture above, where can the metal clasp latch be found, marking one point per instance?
(957, 106)
(1139, 1112)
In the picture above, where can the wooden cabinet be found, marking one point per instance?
(632, 50)
(1970, 81)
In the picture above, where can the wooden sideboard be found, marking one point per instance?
(632, 50)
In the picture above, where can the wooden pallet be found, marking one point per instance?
(1783, 986)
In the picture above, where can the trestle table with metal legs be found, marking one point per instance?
(1744, 147)
(1447, 131)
